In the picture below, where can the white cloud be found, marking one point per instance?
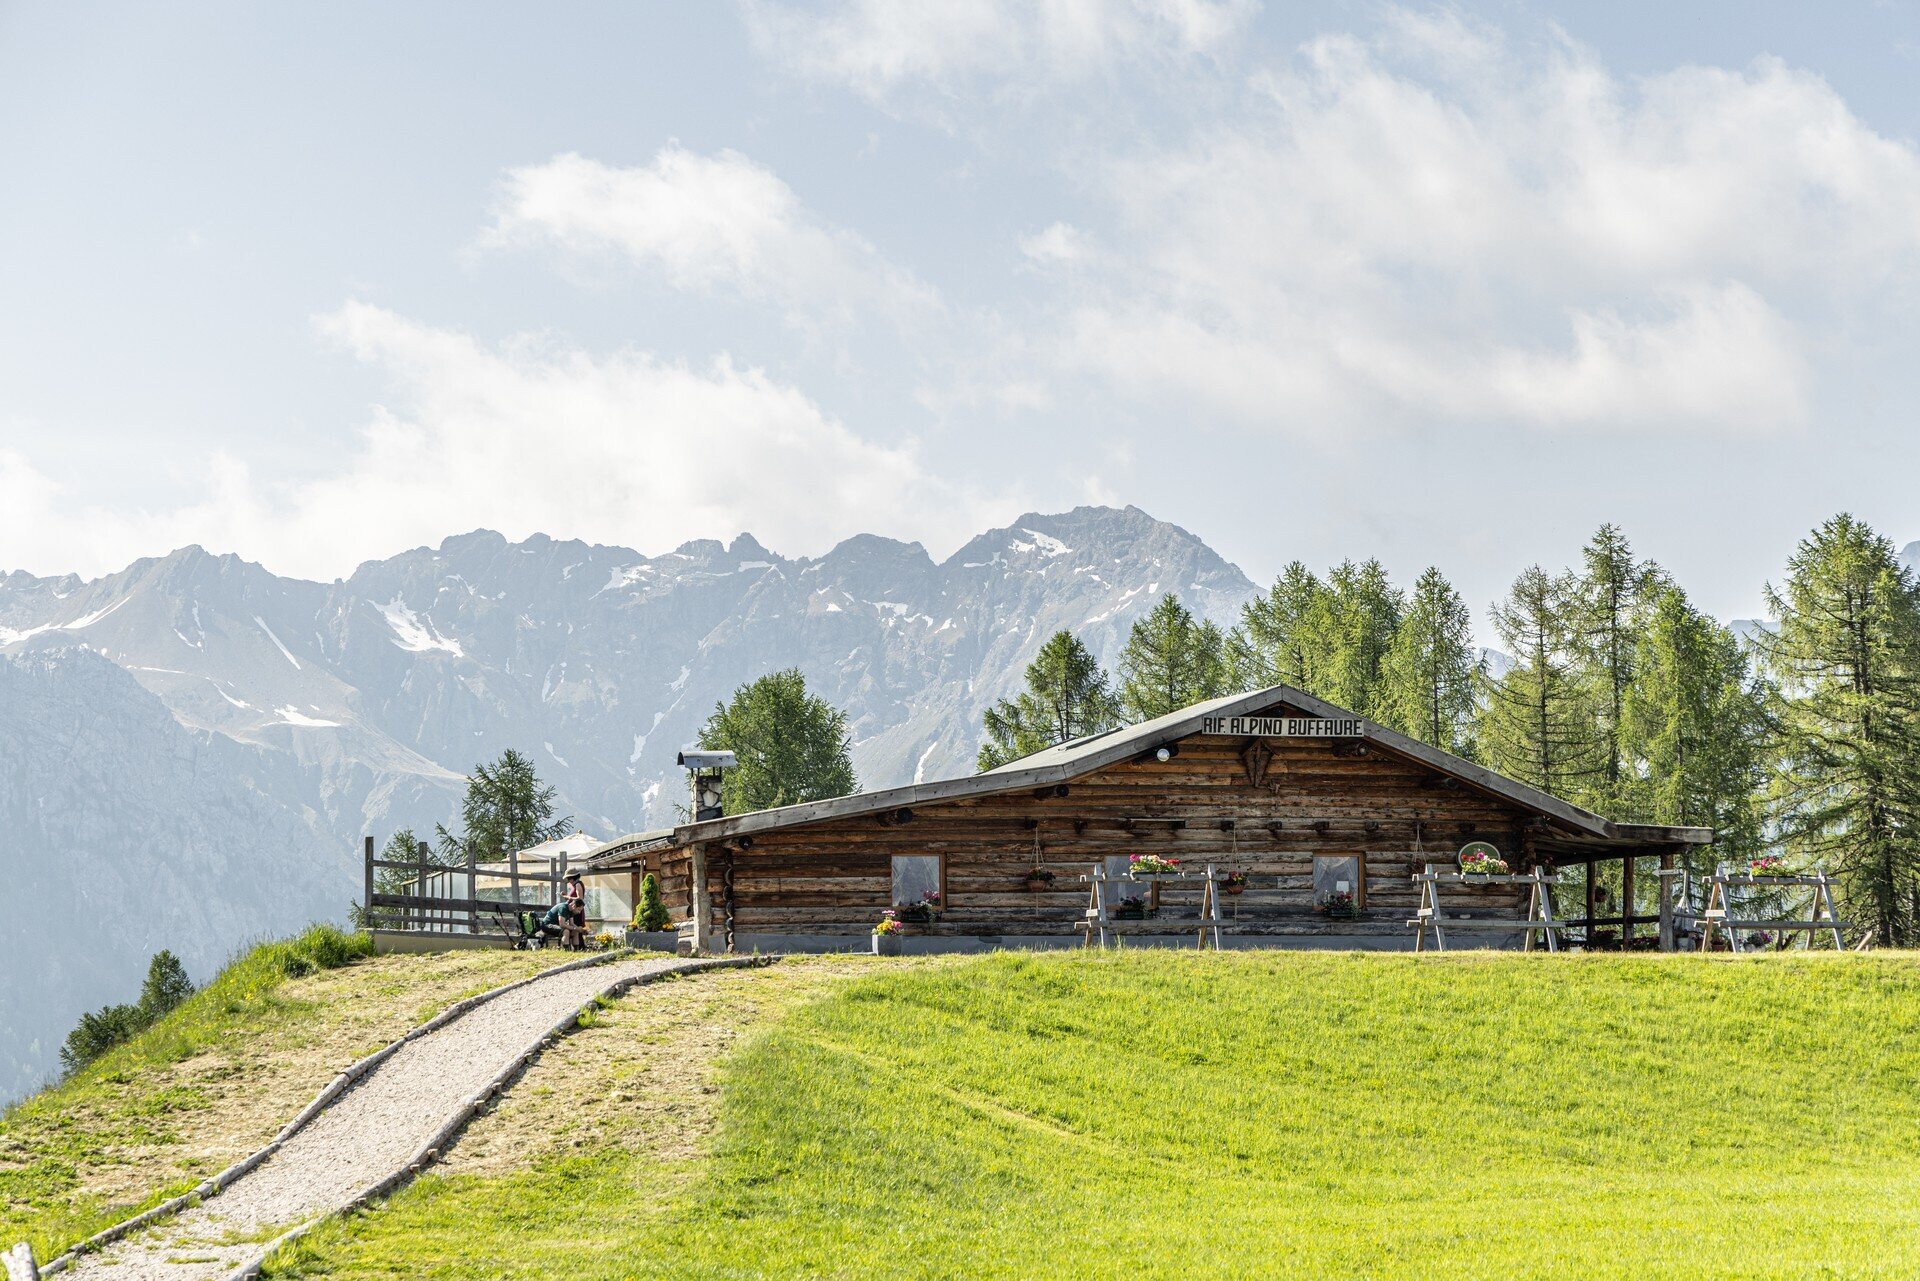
(1436, 225)
(624, 448)
(1059, 242)
(879, 47)
(706, 224)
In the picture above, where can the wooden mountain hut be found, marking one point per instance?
(1304, 802)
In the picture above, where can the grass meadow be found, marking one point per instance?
(1162, 1114)
(215, 1079)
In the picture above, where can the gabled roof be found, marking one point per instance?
(1082, 756)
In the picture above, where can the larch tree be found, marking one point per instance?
(1844, 656)
(1428, 677)
(1694, 727)
(1271, 644)
(1067, 696)
(1352, 630)
(1608, 604)
(1171, 660)
(506, 808)
(792, 746)
(1537, 723)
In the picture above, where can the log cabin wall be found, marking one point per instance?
(1265, 807)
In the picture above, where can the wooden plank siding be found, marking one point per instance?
(833, 876)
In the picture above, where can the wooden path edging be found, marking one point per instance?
(334, 1089)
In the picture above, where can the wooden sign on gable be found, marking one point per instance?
(1284, 726)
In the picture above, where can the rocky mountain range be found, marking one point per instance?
(194, 745)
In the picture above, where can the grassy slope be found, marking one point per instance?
(215, 1079)
(1163, 1114)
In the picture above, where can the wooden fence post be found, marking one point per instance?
(513, 874)
(420, 914)
(366, 901)
(473, 894)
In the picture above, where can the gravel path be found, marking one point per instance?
(368, 1132)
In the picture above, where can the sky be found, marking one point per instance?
(1444, 285)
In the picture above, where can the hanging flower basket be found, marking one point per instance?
(1039, 878)
(1234, 883)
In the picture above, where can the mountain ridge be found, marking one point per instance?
(357, 706)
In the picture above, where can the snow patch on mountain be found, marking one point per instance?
(289, 715)
(413, 635)
(284, 651)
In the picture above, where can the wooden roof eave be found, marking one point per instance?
(1113, 748)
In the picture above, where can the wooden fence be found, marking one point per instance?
(448, 898)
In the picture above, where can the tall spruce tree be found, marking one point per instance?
(1694, 728)
(506, 808)
(1427, 680)
(1845, 658)
(1171, 660)
(1068, 696)
(792, 746)
(1537, 723)
(1272, 644)
(1609, 602)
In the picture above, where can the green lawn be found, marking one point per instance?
(1164, 1114)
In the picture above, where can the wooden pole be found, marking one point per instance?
(366, 901)
(513, 874)
(1592, 901)
(473, 893)
(1626, 902)
(419, 915)
(699, 899)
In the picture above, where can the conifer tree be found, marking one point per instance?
(1352, 629)
(506, 808)
(1428, 675)
(1537, 725)
(1272, 644)
(165, 987)
(1608, 604)
(650, 913)
(1171, 660)
(792, 746)
(1068, 696)
(1694, 728)
(1845, 658)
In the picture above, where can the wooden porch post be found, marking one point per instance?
(698, 898)
(1667, 943)
(1591, 902)
(1626, 901)
(366, 900)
